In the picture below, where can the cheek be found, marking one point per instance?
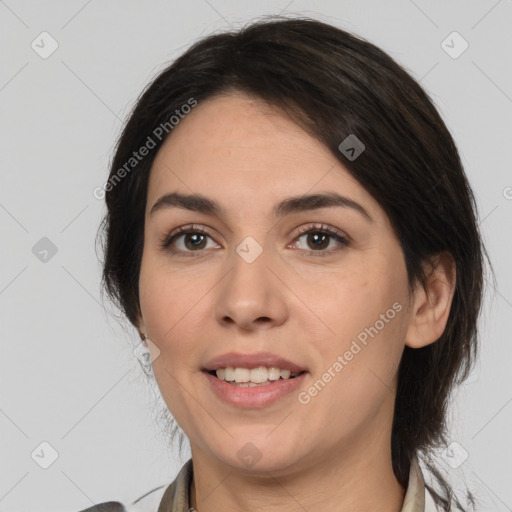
(359, 365)
(166, 310)
(346, 300)
(363, 310)
(165, 294)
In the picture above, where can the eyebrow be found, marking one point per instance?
(203, 204)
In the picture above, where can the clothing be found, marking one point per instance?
(175, 496)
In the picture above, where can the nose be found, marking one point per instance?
(253, 295)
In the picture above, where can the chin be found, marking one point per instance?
(255, 454)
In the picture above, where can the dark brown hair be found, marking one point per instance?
(333, 84)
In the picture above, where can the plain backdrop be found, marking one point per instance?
(72, 395)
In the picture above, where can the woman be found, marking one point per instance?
(292, 233)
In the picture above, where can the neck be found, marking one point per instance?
(350, 480)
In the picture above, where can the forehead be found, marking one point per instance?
(243, 152)
(229, 128)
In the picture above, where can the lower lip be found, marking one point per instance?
(257, 396)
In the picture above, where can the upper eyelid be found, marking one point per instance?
(322, 227)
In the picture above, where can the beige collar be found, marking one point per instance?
(414, 500)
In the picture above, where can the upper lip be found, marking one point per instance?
(239, 360)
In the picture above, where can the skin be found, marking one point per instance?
(333, 453)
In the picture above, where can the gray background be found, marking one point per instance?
(68, 376)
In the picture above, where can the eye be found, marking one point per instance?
(193, 243)
(194, 238)
(321, 238)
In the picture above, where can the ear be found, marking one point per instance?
(432, 303)
(141, 327)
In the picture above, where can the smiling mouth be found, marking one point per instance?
(262, 376)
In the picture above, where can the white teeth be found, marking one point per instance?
(242, 375)
(229, 374)
(249, 384)
(285, 374)
(274, 373)
(258, 375)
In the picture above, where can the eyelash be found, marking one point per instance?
(166, 243)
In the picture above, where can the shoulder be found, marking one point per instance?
(174, 495)
(107, 506)
(148, 502)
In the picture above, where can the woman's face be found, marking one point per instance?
(255, 282)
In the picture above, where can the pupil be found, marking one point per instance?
(316, 237)
(195, 236)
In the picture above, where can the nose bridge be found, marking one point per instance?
(249, 250)
(250, 291)
(249, 263)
